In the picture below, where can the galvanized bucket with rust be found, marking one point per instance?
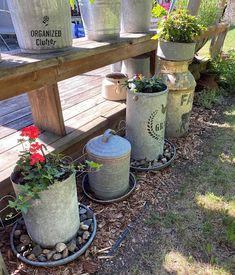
(101, 19)
(113, 152)
(145, 123)
(181, 85)
(137, 65)
(54, 217)
(41, 26)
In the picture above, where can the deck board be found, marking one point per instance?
(84, 111)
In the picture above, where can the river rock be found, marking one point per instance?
(46, 251)
(32, 257)
(37, 250)
(88, 222)
(80, 232)
(57, 256)
(42, 258)
(89, 214)
(65, 253)
(86, 235)
(164, 160)
(50, 255)
(83, 217)
(84, 227)
(20, 247)
(72, 246)
(82, 211)
(79, 241)
(60, 247)
(17, 233)
(25, 239)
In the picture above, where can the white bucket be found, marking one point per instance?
(41, 25)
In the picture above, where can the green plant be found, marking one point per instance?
(35, 171)
(225, 68)
(141, 84)
(158, 11)
(208, 98)
(180, 27)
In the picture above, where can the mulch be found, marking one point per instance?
(113, 219)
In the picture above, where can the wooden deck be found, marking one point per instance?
(85, 113)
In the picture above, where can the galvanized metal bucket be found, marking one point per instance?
(101, 19)
(53, 218)
(136, 16)
(113, 152)
(175, 51)
(145, 123)
(181, 85)
(41, 25)
(137, 65)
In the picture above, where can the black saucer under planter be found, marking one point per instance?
(85, 215)
(90, 194)
(166, 159)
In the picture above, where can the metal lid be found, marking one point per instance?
(108, 145)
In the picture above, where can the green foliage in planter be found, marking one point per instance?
(180, 27)
(35, 171)
(208, 12)
(224, 66)
(142, 84)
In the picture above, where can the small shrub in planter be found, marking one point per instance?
(46, 192)
(176, 34)
(145, 117)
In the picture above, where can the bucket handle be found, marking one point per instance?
(107, 135)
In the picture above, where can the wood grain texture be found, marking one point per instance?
(46, 109)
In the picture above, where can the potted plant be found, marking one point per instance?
(101, 19)
(145, 117)
(136, 16)
(176, 33)
(41, 25)
(45, 186)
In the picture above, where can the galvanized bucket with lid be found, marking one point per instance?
(113, 152)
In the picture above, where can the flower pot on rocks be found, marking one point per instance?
(145, 123)
(101, 19)
(137, 65)
(113, 86)
(181, 85)
(41, 26)
(113, 152)
(54, 217)
(136, 16)
(174, 51)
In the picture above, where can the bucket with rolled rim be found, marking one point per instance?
(41, 26)
(137, 65)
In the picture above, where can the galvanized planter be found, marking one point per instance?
(136, 16)
(137, 65)
(113, 86)
(145, 123)
(175, 51)
(113, 152)
(53, 218)
(181, 85)
(101, 19)
(41, 26)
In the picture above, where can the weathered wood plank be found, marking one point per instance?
(193, 6)
(46, 109)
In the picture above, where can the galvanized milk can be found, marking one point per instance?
(113, 152)
(113, 86)
(145, 123)
(181, 85)
(41, 25)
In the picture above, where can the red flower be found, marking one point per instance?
(31, 132)
(35, 158)
(34, 147)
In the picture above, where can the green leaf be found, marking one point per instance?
(93, 165)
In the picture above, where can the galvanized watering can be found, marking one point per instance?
(113, 152)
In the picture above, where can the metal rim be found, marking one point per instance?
(85, 188)
(139, 169)
(59, 262)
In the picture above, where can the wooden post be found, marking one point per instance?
(217, 44)
(3, 269)
(46, 109)
(193, 6)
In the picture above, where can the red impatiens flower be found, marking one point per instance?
(35, 158)
(31, 132)
(34, 147)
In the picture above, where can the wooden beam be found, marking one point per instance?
(3, 269)
(193, 6)
(46, 109)
(153, 58)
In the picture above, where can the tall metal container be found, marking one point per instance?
(137, 65)
(41, 25)
(101, 19)
(136, 16)
(181, 85)
(113, 152)
(145, 123)
(54, 217)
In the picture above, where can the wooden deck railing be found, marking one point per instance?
(38, 74)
